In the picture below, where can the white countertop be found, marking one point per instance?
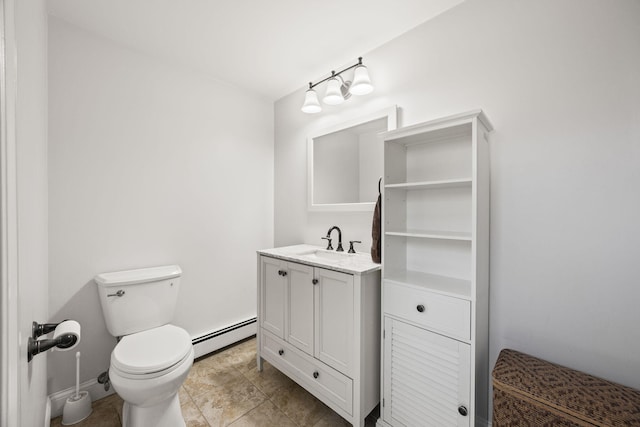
(316, 256)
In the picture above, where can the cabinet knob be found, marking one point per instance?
(282, 273)
(314, 281)
(462, 410)
(316, 374)
(281, 352)
(420, 308)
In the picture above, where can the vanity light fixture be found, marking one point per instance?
(338, 90)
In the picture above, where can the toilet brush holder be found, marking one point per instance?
(76, 408)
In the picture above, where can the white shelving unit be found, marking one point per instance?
(435, 273)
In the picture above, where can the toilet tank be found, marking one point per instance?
(137, 300)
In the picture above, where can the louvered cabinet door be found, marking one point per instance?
(426, 378)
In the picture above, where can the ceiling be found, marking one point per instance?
(269, 47)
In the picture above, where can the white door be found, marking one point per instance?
(426, 378)
(23, 209)
(274, 285)
(300, 307)
(334, 319)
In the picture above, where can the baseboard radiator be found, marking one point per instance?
(202, 346)
(221, 338)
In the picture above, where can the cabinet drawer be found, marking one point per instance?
(309, 372)
(440, 313)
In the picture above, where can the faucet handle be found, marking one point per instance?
(329, 247)
(351, 242)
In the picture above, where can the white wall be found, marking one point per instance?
(560, 82)
(31, 173)
(151, 164)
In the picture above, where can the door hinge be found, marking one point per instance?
(383, 402)
(384, 333)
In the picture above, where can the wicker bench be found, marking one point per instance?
(528, 391)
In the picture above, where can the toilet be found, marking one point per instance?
(153, 357)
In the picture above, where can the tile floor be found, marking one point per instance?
(226, 389)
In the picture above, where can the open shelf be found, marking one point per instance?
(442, 133)
(425, 185)
(444, 285)
(431, 234)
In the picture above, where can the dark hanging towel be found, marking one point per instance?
(376, 229)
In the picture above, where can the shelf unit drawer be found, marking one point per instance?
(309, 372)
(440, 313)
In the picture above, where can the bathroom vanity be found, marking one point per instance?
(319, 323)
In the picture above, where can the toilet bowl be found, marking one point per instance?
(147, 370)
(153, 357)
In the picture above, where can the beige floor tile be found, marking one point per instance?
(113, 401)
(227, 389)
(228, 402)
(269, 380)
(184, 397)
(206, 375)
(102, 415)
(300, 405)
(265, 415)
(242, 356)
(192, 416)
(332, 420)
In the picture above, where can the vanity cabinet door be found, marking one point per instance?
(274, 286)
(334, 319)
(300, 305)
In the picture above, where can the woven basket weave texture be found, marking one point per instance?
(528, 391)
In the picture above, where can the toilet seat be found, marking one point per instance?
(151, 353)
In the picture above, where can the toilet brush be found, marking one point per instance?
(78, 406)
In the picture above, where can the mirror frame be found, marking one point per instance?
(390, 113)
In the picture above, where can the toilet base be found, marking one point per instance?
(164, 414)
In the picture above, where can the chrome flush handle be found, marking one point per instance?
(117, 294)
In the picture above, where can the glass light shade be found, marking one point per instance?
(361, 82)
(311, 104)
(333, 96)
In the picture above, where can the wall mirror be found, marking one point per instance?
(345, 163)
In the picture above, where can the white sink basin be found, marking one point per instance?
(325, 255)
(320, 257)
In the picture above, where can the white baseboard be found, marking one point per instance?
(202, 345)
(95, 389)
(221, 338)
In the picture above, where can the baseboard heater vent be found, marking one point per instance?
(221, 338)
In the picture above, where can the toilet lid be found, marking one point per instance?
(151, 351)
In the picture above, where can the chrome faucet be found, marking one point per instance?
(329, 247)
